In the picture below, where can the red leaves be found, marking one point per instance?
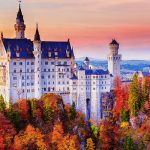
(7, 131)
(121, 95)
(23, 109)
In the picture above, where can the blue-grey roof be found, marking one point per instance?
(74, 77)
(145, 74)
(96, 72)
(25, 47)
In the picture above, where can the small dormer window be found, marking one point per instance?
(49, 54)
(17, 54)
(67, 53)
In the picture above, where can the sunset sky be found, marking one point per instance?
(89, 24)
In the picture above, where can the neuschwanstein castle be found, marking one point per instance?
(29, 69)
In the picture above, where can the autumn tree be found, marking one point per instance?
(134, 96)
(69, 142)
(31, 138)
(58, 133)
(90, 144)
(23, 108)
(121, 97)
(108, 135)
(7, 131)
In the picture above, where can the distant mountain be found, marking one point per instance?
(126, 65)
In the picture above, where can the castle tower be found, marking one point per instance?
(114, 59)
(86, 63)
(37, 54)
(20, 26)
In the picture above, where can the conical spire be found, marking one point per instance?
(19, 14)
(37, 35)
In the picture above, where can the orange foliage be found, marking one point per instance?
(23, 109)
(57, 133)
(30, 139)
(69, 142)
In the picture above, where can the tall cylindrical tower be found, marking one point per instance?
(37, 68)
(114, 59)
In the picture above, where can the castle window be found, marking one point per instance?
(14, 78)
(20, 70)
(14, 71)
(28, 84)
(59, 63)
(44, 70)
(67, 69)
(22, 77)
(49, 70)
(49, 89)
(27, 63)
(68, 88)
(48, 76)
(65, 63)
(53, 76)
(52, 63)
(20, 63)
(27, 77)
(32, 70)
(42, 77)
(46, 63)
(14, 63)
(32, 63)
(58, 82)
(27, 70)
(53, 70)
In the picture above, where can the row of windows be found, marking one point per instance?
(45, 70)
(46, 63)
(96, 77)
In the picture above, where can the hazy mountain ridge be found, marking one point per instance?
(133, 65)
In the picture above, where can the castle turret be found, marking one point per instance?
(86, 63)
(20, 26)
(114, 59)
(37, 54)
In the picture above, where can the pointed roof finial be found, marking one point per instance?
(19, 14)
(37, 35)
(1, 35)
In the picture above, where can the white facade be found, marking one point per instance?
(29, 69)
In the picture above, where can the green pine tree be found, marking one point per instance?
(134, 96)
(145, 94)
(32, 104)
(73, 111)
(2, 104)
(48, 114)
(129, 144)
(124, 116)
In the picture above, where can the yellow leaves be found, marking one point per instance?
(124, 125)
(31, 137)
(90, 144)
(69, 142)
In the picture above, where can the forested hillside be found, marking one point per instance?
(48, 124)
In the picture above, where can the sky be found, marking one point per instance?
(89, 24)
